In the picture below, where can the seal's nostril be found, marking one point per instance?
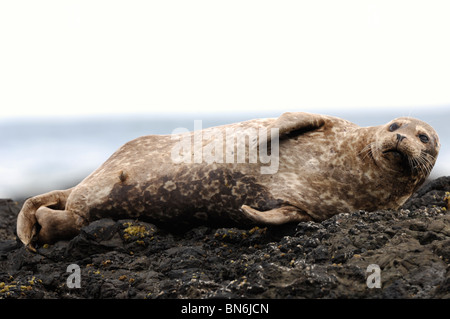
(400, 137)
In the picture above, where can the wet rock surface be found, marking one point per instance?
(134, 259)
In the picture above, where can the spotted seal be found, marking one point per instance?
(324, 166)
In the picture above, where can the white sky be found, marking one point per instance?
(83, 57)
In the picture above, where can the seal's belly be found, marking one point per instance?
(206, 192)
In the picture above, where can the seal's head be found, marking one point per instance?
(406, 146)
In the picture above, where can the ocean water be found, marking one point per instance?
(39, 155)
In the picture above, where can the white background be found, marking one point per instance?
(95, 57)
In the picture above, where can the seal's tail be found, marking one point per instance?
(26, 220)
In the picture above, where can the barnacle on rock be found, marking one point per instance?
(106, 262)
(447, 199)
(5, 288)
(134, 231)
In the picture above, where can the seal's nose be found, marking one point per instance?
(400, 137)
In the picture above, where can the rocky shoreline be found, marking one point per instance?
(133, 259)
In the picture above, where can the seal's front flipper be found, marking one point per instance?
(290, 122)
(277, 216)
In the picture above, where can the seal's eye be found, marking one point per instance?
(424, 138)
(394, 127)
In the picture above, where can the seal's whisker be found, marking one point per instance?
(363, 150)
(411, 163)
(427, 161)
(428, 164)
(418, 165)
(415, 165)
(425, 164)
(366, 151)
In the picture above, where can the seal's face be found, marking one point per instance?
(407, 146)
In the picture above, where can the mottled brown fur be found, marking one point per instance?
(327, 166)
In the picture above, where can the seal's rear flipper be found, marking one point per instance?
(277, 216)
(57, 224)
(27, 222)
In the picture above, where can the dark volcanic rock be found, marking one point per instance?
(133, 259)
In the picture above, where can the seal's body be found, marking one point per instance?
(325, 166)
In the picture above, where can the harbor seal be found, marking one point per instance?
(319, 166)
